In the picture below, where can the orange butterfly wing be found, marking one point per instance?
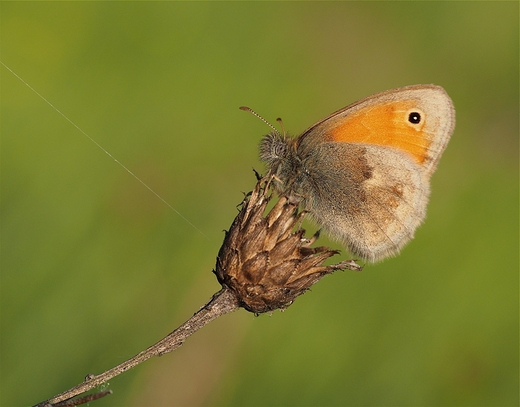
(385, 120)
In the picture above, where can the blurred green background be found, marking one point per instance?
(95, 268)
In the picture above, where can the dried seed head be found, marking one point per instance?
(263, 261)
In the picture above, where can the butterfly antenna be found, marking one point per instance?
(279, 120)
(248, 109)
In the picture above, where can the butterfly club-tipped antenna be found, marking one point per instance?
(279, 120)
(248, 109)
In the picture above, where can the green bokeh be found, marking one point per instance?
(94, 267)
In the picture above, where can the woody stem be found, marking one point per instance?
(223, 302)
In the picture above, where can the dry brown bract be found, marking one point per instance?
(264, 262)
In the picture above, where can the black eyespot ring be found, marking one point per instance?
(414, 117)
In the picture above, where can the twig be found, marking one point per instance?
(221, 303)
(262, 266)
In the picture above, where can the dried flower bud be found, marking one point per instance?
(263, 262)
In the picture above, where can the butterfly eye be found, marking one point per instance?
(414, 117)
(279, 149)
(273, 148)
